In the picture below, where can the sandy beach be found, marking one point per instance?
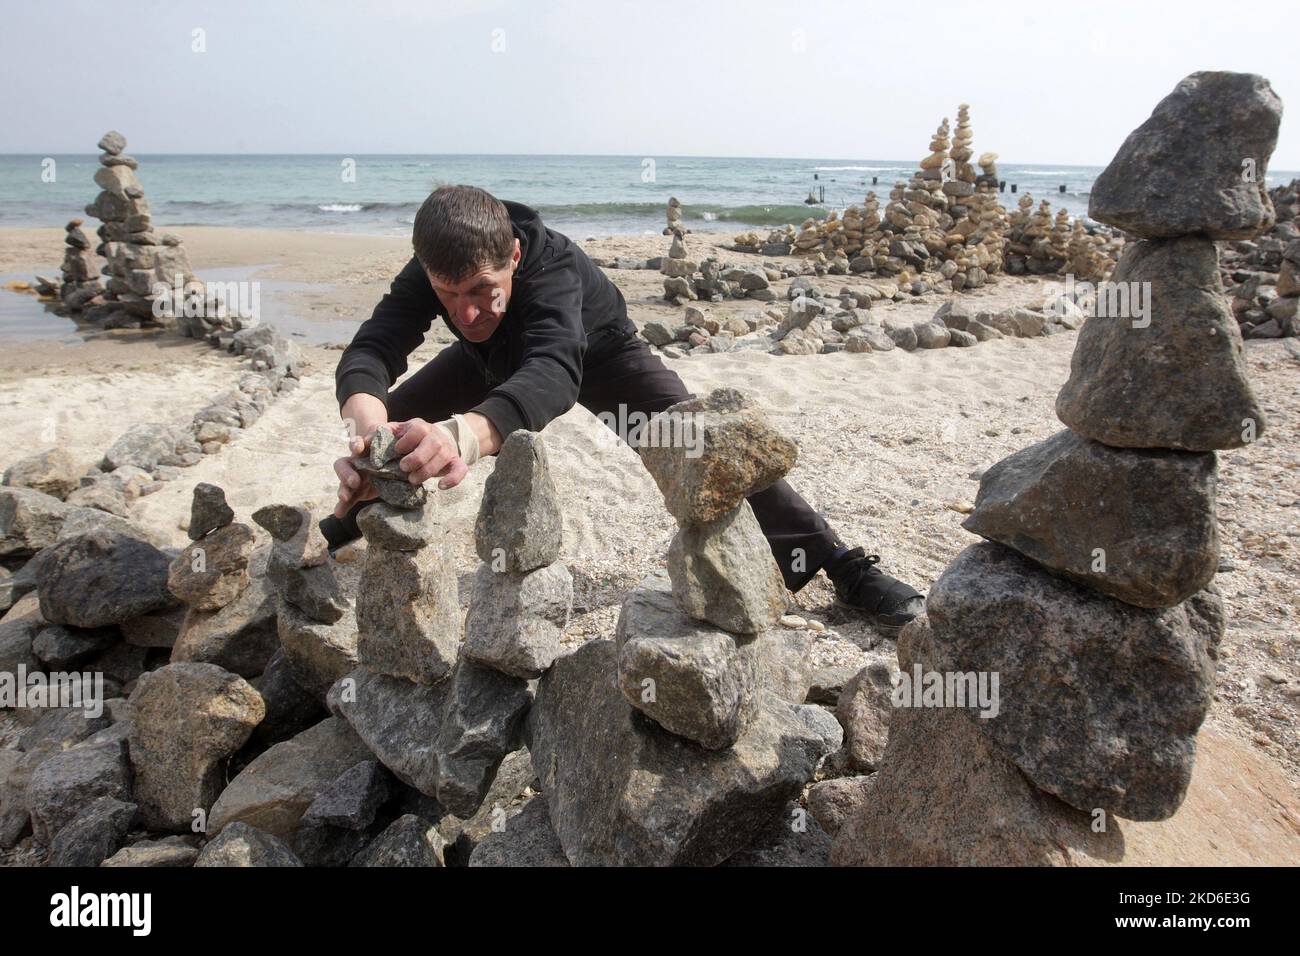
(888, 444)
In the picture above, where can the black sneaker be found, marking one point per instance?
(886, 602)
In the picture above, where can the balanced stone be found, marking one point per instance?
(1199, 165)
(208, 511)
(383, 446)
(708, 454)
(188, 719)
(398, 529)
(212, 571)
(1098, 701)
(318, 654)
(240, 637)
(519, 525)
(723, 572)
(694, 681)
(516, 620)
(392, 484)
(1174, 378)
(408, 614)
(1138, 525)
(660, 800)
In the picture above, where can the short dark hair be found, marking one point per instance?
(460, 230)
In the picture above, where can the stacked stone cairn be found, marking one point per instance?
(137, 259)
(439, 720)
(1102, 540)
(674, 216)
(80, 273)
(1263, 275)
(685, 738)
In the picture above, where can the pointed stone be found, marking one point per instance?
(1178, 382)
(212, 571)
(208, 511)
(1198, 165)
(519, 525)
(723, 572)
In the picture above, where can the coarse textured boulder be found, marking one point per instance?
(516, 620)
(242, 845)
(1178, 381)
(64, 785)
(53, 471)
(188, 720)
(621, 791)
(408, 613)
(208, 511)
(101, 577)
(709, 454)
(409, 840)
(240, 637)
(1136, 524)
(1097, 701)
(723, 572)
(317, 654)
(1198, 165)
(519, 524)
(864, 709)
(525, 840)
(94, 835)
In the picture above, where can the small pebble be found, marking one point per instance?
(792, 620)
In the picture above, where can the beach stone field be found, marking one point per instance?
(585, 653)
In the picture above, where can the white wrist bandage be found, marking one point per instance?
(463, 436)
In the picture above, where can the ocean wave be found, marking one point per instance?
(859, 169)
(341, 207)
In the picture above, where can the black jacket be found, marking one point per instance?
(562, 311)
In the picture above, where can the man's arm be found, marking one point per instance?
(377, 356)
(546, 383)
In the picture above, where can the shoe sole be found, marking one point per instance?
(887, 628)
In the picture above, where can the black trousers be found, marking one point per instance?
(626, 373)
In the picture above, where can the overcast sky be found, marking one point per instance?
(1048, 82)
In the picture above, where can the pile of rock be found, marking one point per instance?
(1263, 276)
(80, 286)
(674, 216)
(1096, 711)
(139, 262)
(686, 739)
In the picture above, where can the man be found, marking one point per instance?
(538, 328)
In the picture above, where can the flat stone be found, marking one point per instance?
(314, 591)
(709, 454)
(516, 620)
(660, 800)
(1099, 702)
(399, 529)
(1179, 382)
(274, 791)
(208, 511)
(383, 446)
(1151, 513)
(693, 680)
(1184, 171)
(398, 720)
(723, 572)
(242, 845)
(188, 720)
(212, 571)
(100, 578)
(408, 613)
(392, 484)
(343, 818)
(173, 851)
(519, 525)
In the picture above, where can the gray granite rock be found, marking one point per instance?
(208, 511)
(172, 851)
(242, 845)
(400, 529)
(864, 710)
(708, 454)
(723, 572)
(1098, 701)
(64, 785)
(408, 841)
(94, 835)
(516, 619)
(1185, 170)
(408, 613)
(519, 525)
(526, 840)
(1136, 524)
(188, 720)
(101, 577)
(241, 637)
(317, 654)
(658, 799)
(1177, 382)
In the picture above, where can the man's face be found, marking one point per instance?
(476, 304)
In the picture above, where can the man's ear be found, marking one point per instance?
(515, 256)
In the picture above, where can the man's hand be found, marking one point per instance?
(430, 451)
(353, 486)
